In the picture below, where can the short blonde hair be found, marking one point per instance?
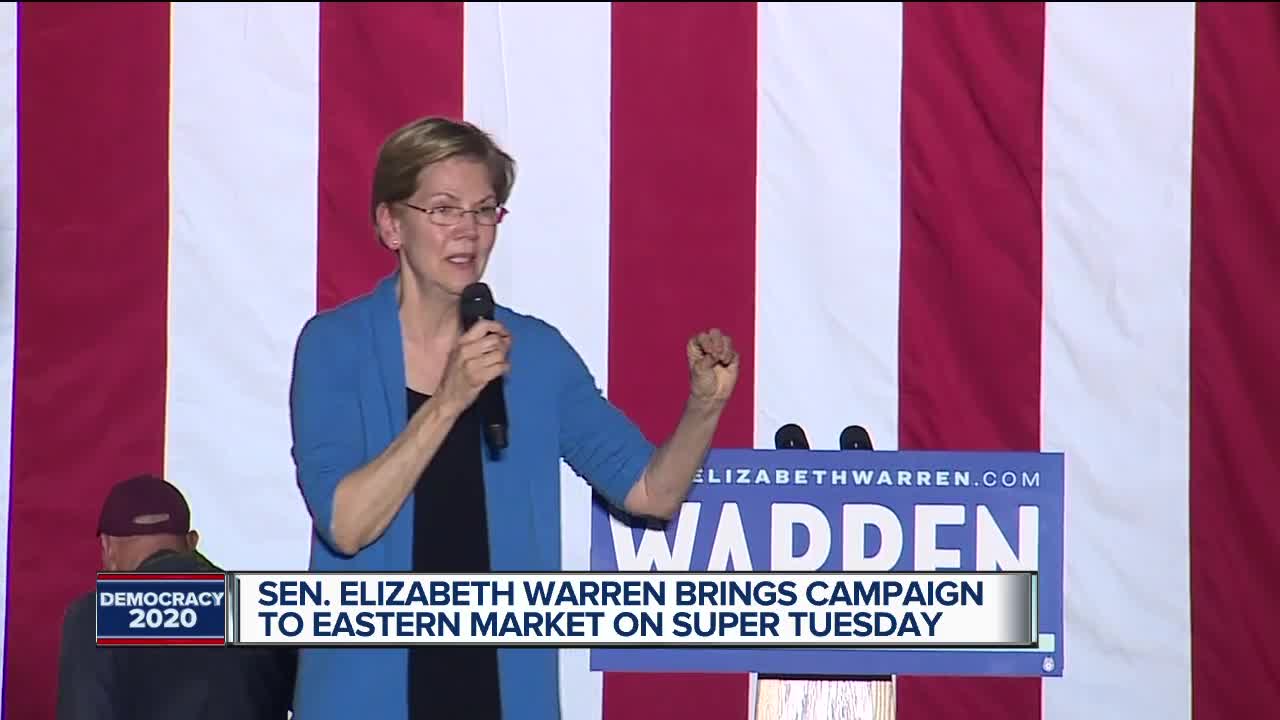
(431, 140)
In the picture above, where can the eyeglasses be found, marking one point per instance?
(447, 216)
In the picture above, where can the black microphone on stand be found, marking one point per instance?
(790, 437)
(477, 303)
(855, 437)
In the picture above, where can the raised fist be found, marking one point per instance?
(713, 367)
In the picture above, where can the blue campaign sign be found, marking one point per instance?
(854, 510)
(154, 609)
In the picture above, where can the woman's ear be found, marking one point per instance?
(388, 227)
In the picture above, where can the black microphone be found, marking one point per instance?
(477, 303)
(790, 437)
(855, 437)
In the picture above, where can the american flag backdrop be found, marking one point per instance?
(965, 226)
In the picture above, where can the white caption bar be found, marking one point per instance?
(638, 609)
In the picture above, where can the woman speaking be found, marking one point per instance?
(389, 448)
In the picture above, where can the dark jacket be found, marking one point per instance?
(193, 683)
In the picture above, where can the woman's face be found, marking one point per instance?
(440, 242)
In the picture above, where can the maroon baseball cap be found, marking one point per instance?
(144, 505)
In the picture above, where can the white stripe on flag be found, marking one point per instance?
(828, 238)
(829, 220)
(242, 271)
(9, 280)
(538, 77)
(1118, 81)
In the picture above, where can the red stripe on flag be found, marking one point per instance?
(971, 267)
(1235, 265)
(93, 241)
(682, 255)
(382, 65)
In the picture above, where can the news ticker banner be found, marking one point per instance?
(804, 511)
(622, 609)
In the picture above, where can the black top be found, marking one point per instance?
(451, 534)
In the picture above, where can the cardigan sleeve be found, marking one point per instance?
(323, 405)
(597, 440)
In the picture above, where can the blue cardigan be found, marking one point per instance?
(348, 403)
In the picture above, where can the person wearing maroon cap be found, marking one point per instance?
(144, 519)
(145, 527)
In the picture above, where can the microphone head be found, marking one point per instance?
(476, 303)
(855, 437)
(790, 437)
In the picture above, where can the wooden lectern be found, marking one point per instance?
(796, 698)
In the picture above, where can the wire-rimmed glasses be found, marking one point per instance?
(447, 215)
